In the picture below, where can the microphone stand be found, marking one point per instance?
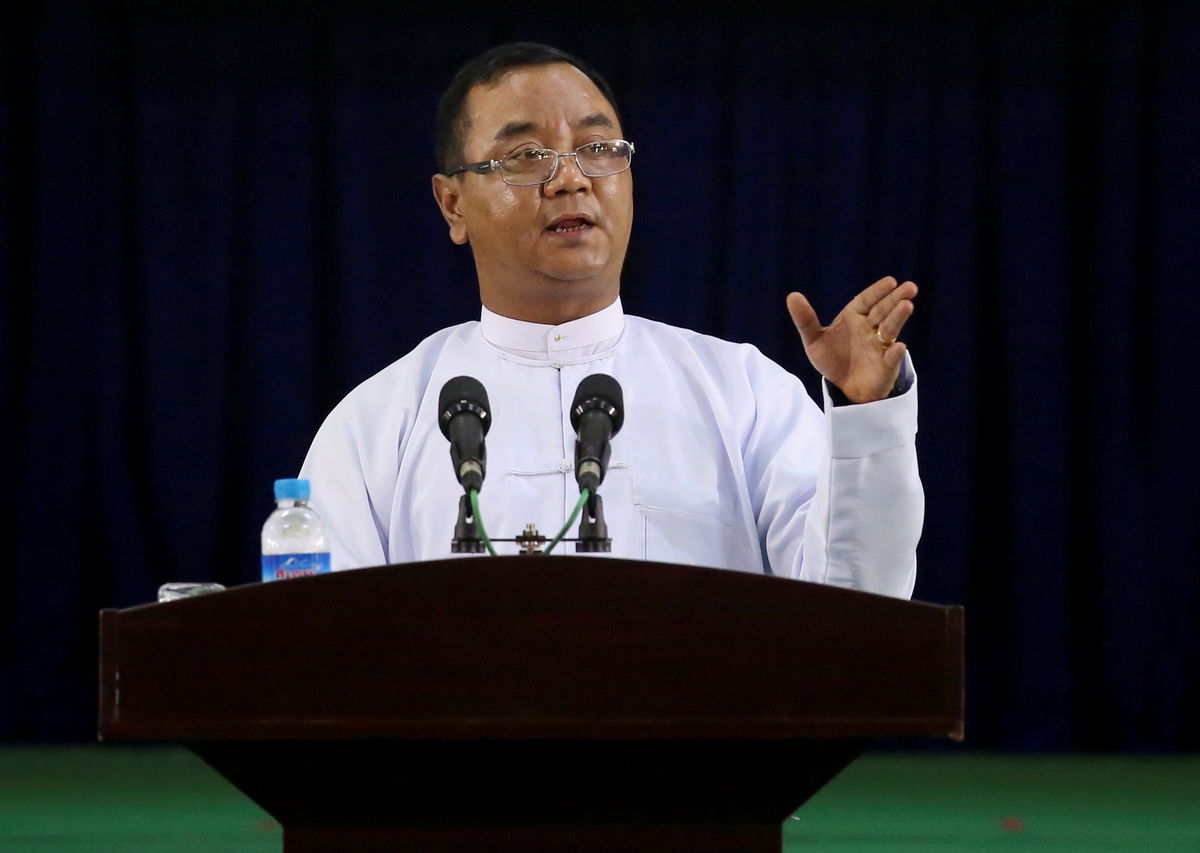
(466, 531)
(593, 532)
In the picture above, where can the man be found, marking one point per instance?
(723, 459)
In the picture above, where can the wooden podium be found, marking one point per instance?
(531, 703)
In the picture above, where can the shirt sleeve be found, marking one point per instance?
(845, 506)
(341, 469)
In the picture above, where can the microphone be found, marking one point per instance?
(596, 416)
(464, 419)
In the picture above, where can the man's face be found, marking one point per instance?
(545, 253)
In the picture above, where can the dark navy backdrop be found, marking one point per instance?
(214, 222)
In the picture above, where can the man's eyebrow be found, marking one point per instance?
(515, 128)
(520, 128)
(594, 120)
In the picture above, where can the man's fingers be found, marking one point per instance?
(804, 317)
(890, 326)
(888, 303)
(865, 301)
(894, 354)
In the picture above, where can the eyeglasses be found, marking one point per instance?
(531, 167)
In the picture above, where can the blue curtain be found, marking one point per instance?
(216, 221)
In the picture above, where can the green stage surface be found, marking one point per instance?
(104, 799)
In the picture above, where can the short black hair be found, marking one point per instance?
(451, 127)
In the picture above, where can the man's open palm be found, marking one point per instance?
(858, 352)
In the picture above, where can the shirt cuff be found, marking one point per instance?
(904, 381)
(863, 429)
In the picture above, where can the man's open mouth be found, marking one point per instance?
(571, 223)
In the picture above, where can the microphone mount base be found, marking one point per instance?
(593, 532)
(466, 532)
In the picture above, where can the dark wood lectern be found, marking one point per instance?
(531, 703)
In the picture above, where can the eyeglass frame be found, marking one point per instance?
(486, 167)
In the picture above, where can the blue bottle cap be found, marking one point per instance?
(291, 490)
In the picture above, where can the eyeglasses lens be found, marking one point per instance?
(599, 159)
(528, 167)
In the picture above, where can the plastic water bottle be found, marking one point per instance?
(293, 539)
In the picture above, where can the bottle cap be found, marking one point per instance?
(291, 490)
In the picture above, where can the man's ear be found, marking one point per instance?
(447, 192)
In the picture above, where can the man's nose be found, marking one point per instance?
(568, 177)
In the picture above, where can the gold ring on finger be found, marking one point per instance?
(879, 337)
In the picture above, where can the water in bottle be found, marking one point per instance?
(293, 539)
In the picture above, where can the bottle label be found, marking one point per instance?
(280, 566)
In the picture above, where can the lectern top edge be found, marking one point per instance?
(548, 647)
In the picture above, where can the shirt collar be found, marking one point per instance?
(582, 337)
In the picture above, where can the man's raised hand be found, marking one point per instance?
(858, 352)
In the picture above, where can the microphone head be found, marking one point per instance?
(599, 391)
(463, 394)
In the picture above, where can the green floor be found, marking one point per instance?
(104, 799)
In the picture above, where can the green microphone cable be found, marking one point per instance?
(583, 498)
